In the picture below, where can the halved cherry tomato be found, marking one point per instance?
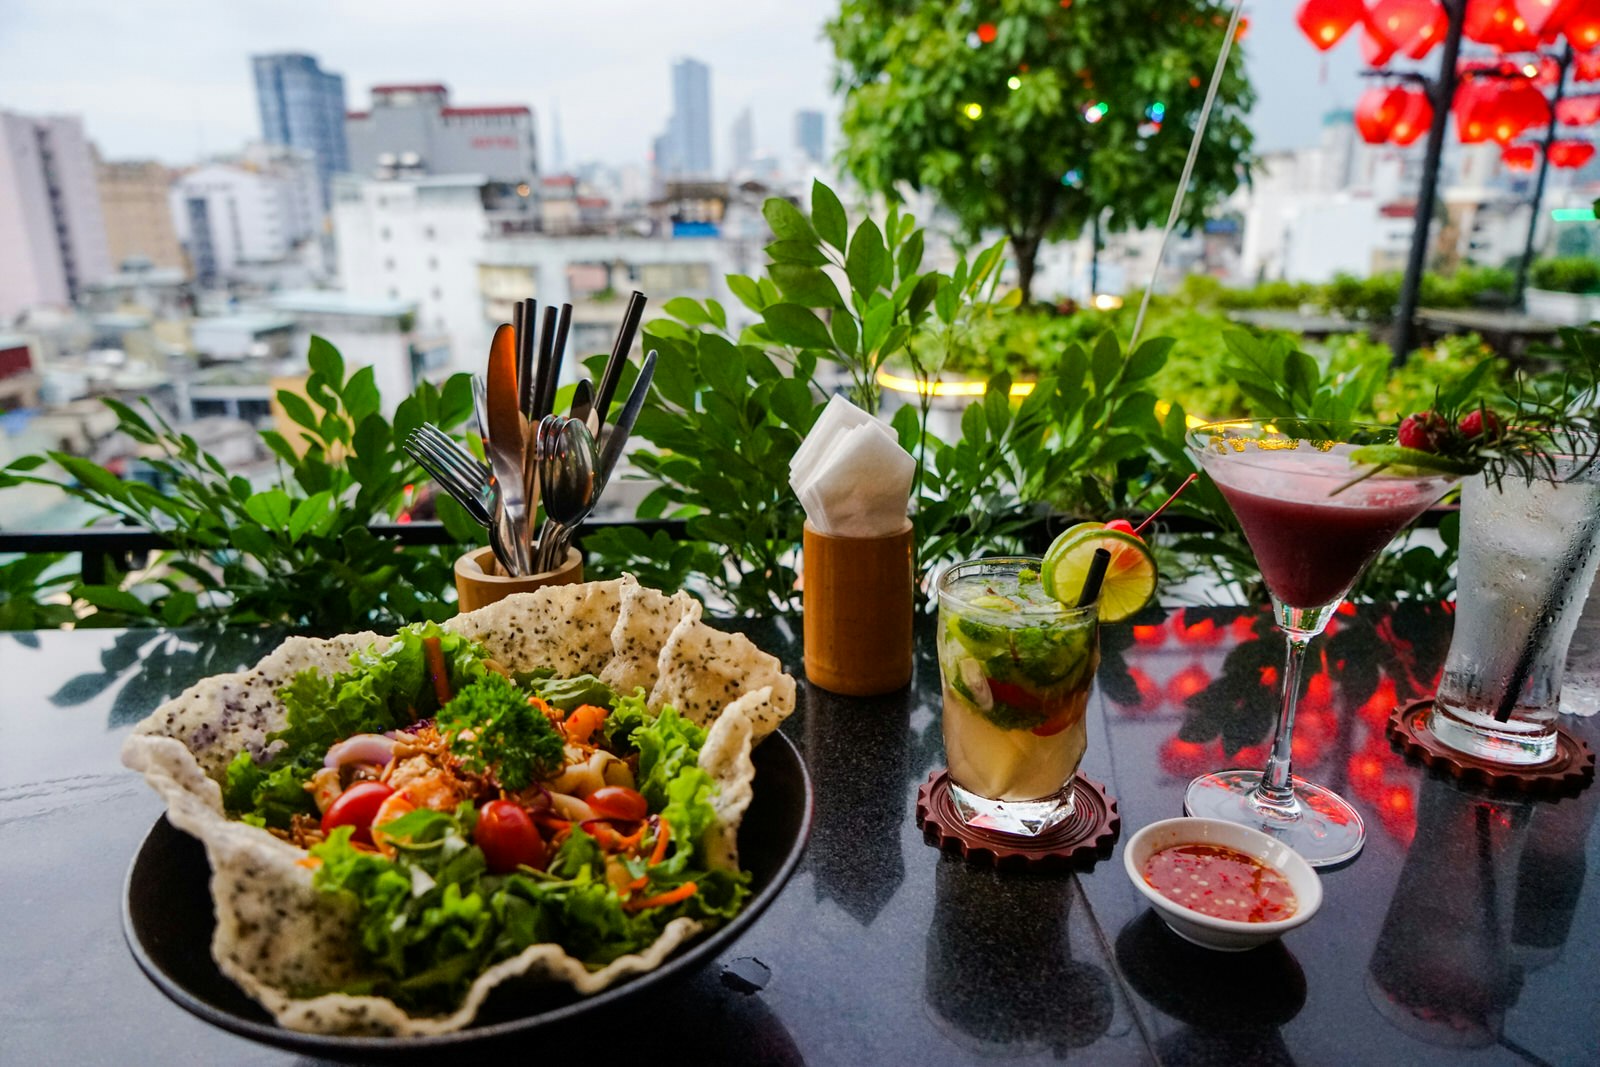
(618, 802)
(357, 807)
(508, 837)
(1055, 724)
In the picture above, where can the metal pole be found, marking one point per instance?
(1443, 92)
(1538, 186)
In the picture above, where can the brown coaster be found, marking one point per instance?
(1568, 772)
(1084, 838)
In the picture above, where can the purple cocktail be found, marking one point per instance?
(1314, 523)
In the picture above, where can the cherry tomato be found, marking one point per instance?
(357, 806)
(1055, 724)
(618, 802)
(508, 837)
(1015, 695)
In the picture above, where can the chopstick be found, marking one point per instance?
(525, 319)
(545, 396)
(619, 356)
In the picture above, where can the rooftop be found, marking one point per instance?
(329, 302)
(247, 322)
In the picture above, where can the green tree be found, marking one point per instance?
(1040, 117)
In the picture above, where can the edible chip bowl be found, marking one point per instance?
(1223, 935)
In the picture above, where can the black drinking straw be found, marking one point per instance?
(1096, 578)
(1524, 667)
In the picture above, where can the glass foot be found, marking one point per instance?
(1024, 818)
(1326, 831)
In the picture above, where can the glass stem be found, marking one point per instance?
(1275, 795)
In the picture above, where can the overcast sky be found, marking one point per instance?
(171, 79)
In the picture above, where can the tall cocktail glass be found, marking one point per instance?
(1313, 529)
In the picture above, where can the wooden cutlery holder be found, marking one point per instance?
(858, 597)
(480, 582)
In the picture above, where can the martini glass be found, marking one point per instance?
(1313, 528)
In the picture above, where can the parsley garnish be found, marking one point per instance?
(492, 727)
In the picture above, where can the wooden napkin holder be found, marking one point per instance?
(858, 599)
(479, 581)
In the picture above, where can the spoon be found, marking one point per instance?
(567, 462)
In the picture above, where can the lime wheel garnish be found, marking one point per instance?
(1130, 580)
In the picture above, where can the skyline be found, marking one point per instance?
(146, 92)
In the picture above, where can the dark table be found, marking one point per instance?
(1466, 933)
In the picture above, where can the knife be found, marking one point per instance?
(506, 436)
(617, 439)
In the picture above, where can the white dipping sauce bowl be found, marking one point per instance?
(1224, 935)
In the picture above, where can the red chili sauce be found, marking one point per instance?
(1221, 882)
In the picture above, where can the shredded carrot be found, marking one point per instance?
(434, 654)
(663, 835)
(553, 714)
(583, 722)
(661, 900)
(310, 863)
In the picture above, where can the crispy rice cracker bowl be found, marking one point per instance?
(276, 932)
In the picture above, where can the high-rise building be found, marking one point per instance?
(302, 106)
(412, 130)
(52, 233)
(744, 140)
(685, 149)
(808, 135)
(138, 214)
(250, 211)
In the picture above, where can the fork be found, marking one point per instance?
(460, 474)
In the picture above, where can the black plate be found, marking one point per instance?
(168, 920)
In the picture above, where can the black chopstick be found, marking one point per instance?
(544, 400)
(619, 356)
(526, 319)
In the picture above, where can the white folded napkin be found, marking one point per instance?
(851, 475)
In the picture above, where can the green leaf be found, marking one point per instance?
(799, 327)
(867, 261)
(828, 214)
(875, 326)
(1147, 359)
(807, 286)
(312, 515)
(909, 258)
(787, 221)
(295, 406)
(803, 253)
(324, 359)
(178, 607)
(845, 333)
(686, 311)
(361, 394)
(270, 508)
(1106, 360)
(748, 292)
(110, 598)
(280, 447)
(91, 475)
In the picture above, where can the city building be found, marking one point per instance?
(412, 131)
(302, 106)
(135, 201)
(744, 141)
(809, 135)
(684, 150)
(377, 333)
(52, 232)
(256, 209)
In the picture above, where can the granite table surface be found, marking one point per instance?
(1467, 932)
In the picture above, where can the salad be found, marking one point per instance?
(465, 811)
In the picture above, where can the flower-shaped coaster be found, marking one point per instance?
(1080, 841)
(1571, 769)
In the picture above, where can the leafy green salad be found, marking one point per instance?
(468, 812)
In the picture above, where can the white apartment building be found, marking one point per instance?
(463, 256)
(253, 210)
(52, 232)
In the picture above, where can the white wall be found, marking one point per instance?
(256, 216)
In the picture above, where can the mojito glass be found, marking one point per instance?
(1017, 666)
(1528, 558)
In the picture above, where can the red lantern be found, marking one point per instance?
(1582, 26)
(1570, 154)
(1416, 116)
(1325, 21)
(1518, 36)
(1518, 106)
(1519, 156)
(1488, 20)
(1578, 110)
(1473, 105)
(1378, 111)
(1376, 50)
(1413, 25)
(1586, 68)
(1546, 17)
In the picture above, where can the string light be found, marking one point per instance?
(1157, 112)
(987, 32)
(1073, 178)
(1095, 112)
(973, 111)
(1014, 83)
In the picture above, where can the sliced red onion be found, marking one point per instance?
(361, 748)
